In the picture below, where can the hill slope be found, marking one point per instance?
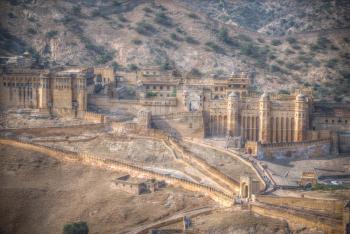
(211, 36)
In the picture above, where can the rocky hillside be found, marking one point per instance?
(286, 44)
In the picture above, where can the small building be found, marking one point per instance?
(308, 178)
(137, 187)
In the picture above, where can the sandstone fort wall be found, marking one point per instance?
(297, 218)
(330, 207)
(220, 197)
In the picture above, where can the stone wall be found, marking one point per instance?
(221, 197)
(93, 117)
(329, 207)
(181, 124)
(72, 130)
(306, 149)
(344, 142)
(112, 104)
(297, 218)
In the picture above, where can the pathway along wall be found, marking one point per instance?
(218, 196)
(299, 217)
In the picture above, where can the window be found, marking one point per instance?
(216, 88)
(221, 88)
(332, 121)
(147, 86)
(161, 87)
(326, 120)
(346, 121)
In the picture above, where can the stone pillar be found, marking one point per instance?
(346, 218)
(264, 117)
(334, 143)
(301, 111)
(233, 126)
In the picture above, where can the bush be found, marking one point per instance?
(115, 66)
(175, 37)
(261, 40)
(276, 42)
(275, 68)
(51, 34)
(145, 28)
(168, 44)
(32, 31)
(180, 30)
(283, 91)
(76, 10)
(332, 63)
(293, 66)
(122, 18)
(280, 62)
(329, 187)
(76, 228)
(289, 52)
(147, 9)
(323, 42)
(215, 47)
(11, 15)
(223, 36)
(132, 67)
(292, 40)
(195, 72)
(244, 37)
(296, 47)
(193, 16)
(162, 19)
(137, 41)
(165, 66)
(191, 40)
(151, 94)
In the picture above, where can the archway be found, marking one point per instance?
(245, 190)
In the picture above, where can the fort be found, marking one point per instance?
(201, 123)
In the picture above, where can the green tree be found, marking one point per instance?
(76, 228)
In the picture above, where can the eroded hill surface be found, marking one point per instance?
(284, 44)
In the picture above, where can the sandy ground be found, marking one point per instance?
(39, 194)
(234, 220)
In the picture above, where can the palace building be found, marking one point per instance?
(60, 91)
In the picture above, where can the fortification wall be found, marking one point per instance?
(93, 117)
(235, 156)
(182, 123)
(330, 207)
(297, 218)
(319, 148)
(212, 171)
(112, 105)
(344, 142)
(220, 197)
(72, 130)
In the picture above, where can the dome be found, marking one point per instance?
(233, 95)
(300, 97)
(264, 97)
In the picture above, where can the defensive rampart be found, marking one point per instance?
(220, 197)
(212, 171)
(299, 217)
(317, 148)
(71, 130)
(329, 207)
(93, 117)
(235, 156)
